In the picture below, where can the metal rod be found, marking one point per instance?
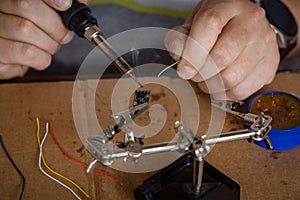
(198, 168)
(150, 149)
(159, 149)
(91, 166)
(227, 137)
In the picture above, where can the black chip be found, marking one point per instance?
(140, 97)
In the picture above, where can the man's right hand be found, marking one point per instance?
(31, 33)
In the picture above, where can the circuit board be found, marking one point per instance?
(140, 97)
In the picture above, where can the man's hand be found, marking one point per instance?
(31, 33)
(237, 37)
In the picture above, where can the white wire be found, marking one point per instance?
(160, 73)
(49, 176)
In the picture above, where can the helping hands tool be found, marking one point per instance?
(101, 150)
(78, 18)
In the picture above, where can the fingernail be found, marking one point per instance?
(68, 37)
(175, 47)
(62, 3)
(186, 72)
(173, 44)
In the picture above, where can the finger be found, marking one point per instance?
(59, 4)
(190, 18)
(227, 49)
(206, 27)
(39, 13)
(12, 71)
(246, 64)
(240, 33)
(22, 30)
(236, 72)
(255, 81)
(175, 39)
(17, 53)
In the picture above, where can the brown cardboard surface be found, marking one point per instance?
(261, 174)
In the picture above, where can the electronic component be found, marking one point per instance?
(141, 97)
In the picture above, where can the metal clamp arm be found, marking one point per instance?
(133, 147)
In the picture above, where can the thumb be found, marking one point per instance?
(175, 41)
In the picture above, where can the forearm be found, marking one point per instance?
(294, 7)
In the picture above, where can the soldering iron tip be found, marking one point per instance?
(135, 79)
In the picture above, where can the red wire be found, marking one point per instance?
(79, 162)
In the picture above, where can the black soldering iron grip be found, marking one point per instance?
(78, 17)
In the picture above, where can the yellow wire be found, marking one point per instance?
(51, 170)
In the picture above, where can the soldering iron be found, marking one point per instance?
(79, 18)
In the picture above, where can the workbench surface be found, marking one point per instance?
(261, 174)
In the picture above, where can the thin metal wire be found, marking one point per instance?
(168, 67)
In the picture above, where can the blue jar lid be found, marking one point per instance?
(282, 139)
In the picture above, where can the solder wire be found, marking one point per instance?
(41, 158)
(168, 67)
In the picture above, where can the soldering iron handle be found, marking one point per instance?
(78, 17)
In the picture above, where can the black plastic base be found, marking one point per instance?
(175, 182)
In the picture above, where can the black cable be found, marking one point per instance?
(15, 166)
